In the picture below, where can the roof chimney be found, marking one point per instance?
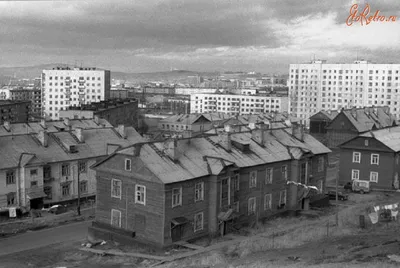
(121, 130)
(259, 135)
(138, 147)
(66, 121)
(174, 151)
(354, 112)
(252, 126)
(298, 131)
(43, 123)
(43, 138)
(225, 140)
(7, 125)
(97, 119)
(79, 134)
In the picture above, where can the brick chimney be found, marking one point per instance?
(173, 148)
(252, 126)
(7, 125)
(43, 138)
(79, 134)
(138, 147)
(259, 136)
(121, 130)
(298, 131)
(225, 138)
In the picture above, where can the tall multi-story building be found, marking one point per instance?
(14, 111)
(319, 86)
(238, 104)
(63, 87)
(34, 95)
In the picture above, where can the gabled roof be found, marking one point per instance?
(203, 156)
(329, 114)
(52, 126)
(388, 136)
(188, 119)
(26, 149)
(368, 118)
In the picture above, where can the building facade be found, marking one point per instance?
(116, 112)
(320, 86)
(14, 111)
(63, 87)
(41, 168)
(33, 95)
(237, 104)
(164, 192)
(372, 156)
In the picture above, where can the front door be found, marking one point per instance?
(176, 232)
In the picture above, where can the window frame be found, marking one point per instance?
(67, 186)
(33, 172)
(127, 160)
(373, 173)
(269, 176)
(119, 217)
(284, 171)
(355, 171)
(355, 154)
(280, 198)
(10, 177)
(137, 190)
(201, 228)
(321, 164)
(269, 203)
(86, 188)
(201, 190)
(180, 197)
(82, 167)
(253, 179)
(249, 202)
(120, 188)
(65, 167)
(377, 159)
(236, 182)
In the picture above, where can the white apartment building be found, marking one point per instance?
(63, 87)
(319, 86)
(237, 104)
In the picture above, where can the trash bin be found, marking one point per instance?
(362, 221)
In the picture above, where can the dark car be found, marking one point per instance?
(57, 209)
(341, 196)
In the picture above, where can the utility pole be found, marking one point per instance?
(79, 192)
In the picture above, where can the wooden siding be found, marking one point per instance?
(340, 130)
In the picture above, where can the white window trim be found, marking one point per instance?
(120, 216)
(269, 203)
(202, 222)
(359, 157)
(248, 206)
(352, 172)
(130, 164)
(370, 176)
(250, 180)
(136, 194)
(112, 187)
(372, 157)
(201, 198)
(266, 175)
(180, 197)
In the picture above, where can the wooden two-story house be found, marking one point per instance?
(163, 192)
(372, 156)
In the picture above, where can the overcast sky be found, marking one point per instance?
(202, 35)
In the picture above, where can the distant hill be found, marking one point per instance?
(171, 76)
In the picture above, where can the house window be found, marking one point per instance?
(251, 206)
(47, 190)
(65, 189)
(366, 142)
(373, 176)
(236, 207)
(176, 197)
(374, 159)
(267, 201)
(116, 218)
(284, 172)
(199, 191)
(65, 170)
(83, 188)
(355, 174)
(198, 222)
(116, 186)
(46, 172)
(34, 172)
(236, 181)
(82, 167)
(321, 164)
(33, 183)
(10, 177)
(128, 163)
(356, 157)
(140, 194)
(11, 199)
(282, 199)
(253, 179)
(268, 175)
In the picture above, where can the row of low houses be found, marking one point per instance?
(40, 162)
(161, 192)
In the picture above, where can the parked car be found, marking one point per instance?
(341, 196)
(358, 186)
(57, 209)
